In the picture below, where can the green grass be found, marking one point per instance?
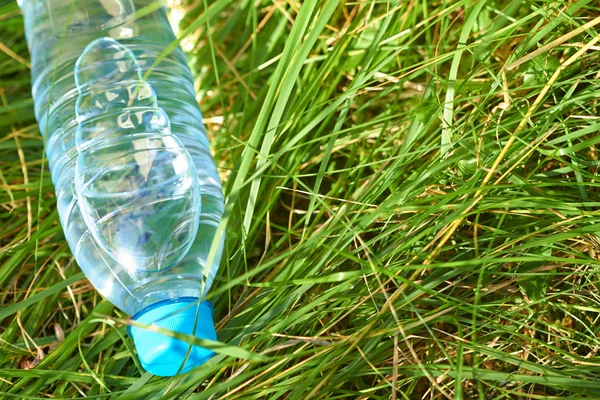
(413, 196)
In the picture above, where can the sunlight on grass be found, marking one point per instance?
(411, 208)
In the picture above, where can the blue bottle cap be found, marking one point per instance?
(163, 355)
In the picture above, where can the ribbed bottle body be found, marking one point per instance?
(137, 190)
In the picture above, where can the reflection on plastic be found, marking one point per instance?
(87, 16)
(136, 183)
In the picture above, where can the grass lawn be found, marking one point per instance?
(413, 193)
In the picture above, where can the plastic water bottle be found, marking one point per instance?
(138, 193)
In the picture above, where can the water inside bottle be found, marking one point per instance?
(136, 183)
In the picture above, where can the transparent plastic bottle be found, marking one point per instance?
(137, 190)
